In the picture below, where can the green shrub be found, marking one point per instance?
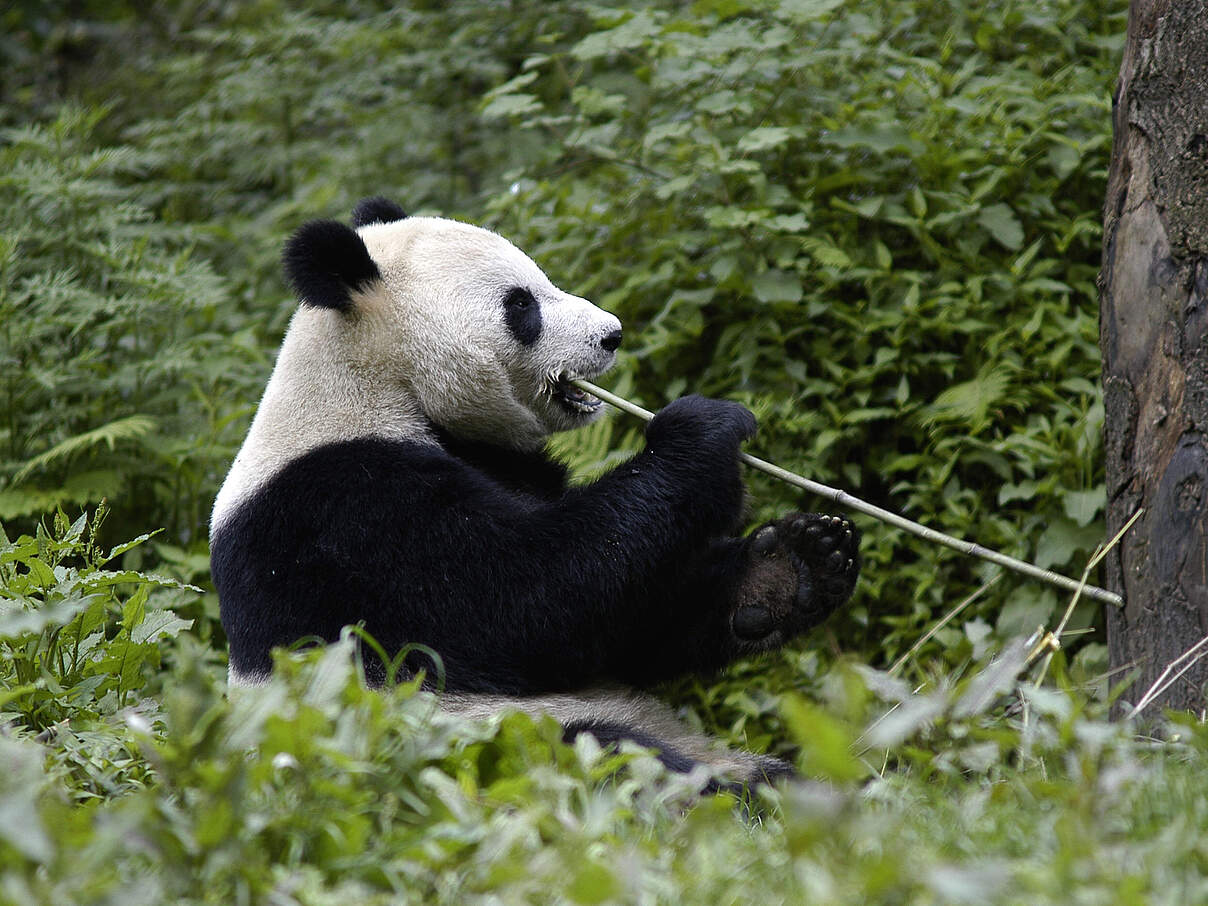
(79, 643)
(153, 787)
(878, 226)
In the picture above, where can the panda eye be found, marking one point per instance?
(518, 297)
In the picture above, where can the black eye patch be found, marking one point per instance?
(522, 314)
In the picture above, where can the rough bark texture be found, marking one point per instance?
(1154, 336)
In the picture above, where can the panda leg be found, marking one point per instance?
(609, 733)
(751, 768)
(744, 596)
(615, 714)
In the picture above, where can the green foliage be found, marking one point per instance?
(79, 643)
(121, 366)
(153, 786)
(877, 225)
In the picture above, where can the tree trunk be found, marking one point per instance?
(1154, 336)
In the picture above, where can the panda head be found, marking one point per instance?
(452, 315)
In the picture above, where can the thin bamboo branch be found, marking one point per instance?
(1196, 652)
(1100, 552)
(842, 498)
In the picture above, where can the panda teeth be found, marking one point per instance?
(573, 398)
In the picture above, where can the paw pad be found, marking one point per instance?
(826, 546)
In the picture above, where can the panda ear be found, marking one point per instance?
(326, 261)
(376, 210)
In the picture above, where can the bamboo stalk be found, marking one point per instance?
(843, 499)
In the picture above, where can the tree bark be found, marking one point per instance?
(1154, 337)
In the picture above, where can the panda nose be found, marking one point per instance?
(612, 341)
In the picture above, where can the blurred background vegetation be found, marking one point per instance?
(875, 223)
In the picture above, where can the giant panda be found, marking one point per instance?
(394, 475)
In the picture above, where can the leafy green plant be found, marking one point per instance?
(875, 225)
(118, 358)
(870, 241)
(981, 788)
(78, 639)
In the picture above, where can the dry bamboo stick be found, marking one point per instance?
(843, 499)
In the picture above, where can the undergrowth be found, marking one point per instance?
(877, 225)
(129, 776)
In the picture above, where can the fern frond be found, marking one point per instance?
(971, 401)
(128, 428)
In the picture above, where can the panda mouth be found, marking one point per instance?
(572, 398)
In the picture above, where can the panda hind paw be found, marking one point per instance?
(800, 569)
(829, 547)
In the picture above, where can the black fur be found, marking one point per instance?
(522, 584)
(376, 210)
(608, 733)
(325, 261)
(522, 314)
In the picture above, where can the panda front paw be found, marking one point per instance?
(800, 568)
(697, 422)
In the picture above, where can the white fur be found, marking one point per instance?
(238, 680)
(616, 705)
(428, 340)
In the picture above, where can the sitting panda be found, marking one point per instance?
(394, 475)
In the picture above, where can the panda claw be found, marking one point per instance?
(764, 542)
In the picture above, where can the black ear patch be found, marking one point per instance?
(325, 261)
(376, 210)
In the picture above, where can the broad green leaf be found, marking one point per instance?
(880, 138)
(1064, 538)
(504, 106)
(159, 624)
(763, 138)
(632, 33)
(777, 286)
(1084, 506)
(1001, 223)
(120, 549)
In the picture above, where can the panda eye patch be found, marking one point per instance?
(522, 315)
(518, 297)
